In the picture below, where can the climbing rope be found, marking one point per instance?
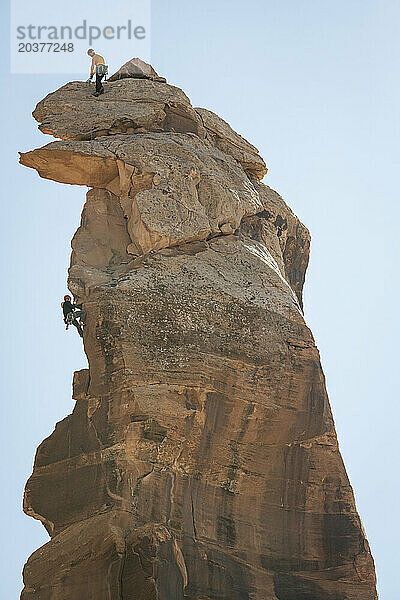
(91, 158)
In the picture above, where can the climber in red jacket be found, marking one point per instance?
(73, 312)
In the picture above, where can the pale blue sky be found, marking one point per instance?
(315, 86)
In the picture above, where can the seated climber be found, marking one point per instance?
(99, 67)
(73, 312)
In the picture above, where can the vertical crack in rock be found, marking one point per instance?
(193, 519)
(200, 460)
(120, 575)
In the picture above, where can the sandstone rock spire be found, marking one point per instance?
(200, 461)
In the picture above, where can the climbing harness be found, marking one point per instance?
(69, 319)
(102, 70)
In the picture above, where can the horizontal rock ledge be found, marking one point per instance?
(131, 106)
(69, 167)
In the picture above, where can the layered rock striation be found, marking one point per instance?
(200, 461)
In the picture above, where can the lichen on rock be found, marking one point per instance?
(200, 461)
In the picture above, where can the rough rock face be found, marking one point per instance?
(200, 461)
(136, 68)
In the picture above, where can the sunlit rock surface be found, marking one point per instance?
(200, 461)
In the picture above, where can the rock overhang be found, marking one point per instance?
(173, 188)
(181, 174)
(177, 188)
(202, 185)
(75, 165)
(132, 106)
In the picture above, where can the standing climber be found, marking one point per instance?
(73, 312)
(99, 67)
